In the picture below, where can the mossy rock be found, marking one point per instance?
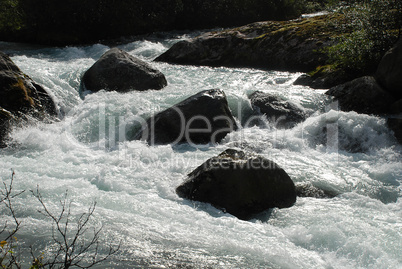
(21, 98)
(275, 45)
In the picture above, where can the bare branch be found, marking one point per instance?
(74, 250)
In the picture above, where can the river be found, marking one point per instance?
(134, 184)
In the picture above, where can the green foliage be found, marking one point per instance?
(11, 17)
(376, 26)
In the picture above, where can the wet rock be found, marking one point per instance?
(6, 119)
(324, 77)
(284, 113)
(200, 119)
(308, 190)
(20, 94)
(304, 80)
(389, 71)
(119, 71)
(362, 95)
(240, 183)
(21, 97)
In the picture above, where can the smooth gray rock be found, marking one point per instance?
(119, 71)
(187, 121)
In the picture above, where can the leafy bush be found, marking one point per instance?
(376, 26)
(11, 17)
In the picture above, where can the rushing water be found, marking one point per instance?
(134, 184)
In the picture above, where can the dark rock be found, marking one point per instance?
(20, 96)
(396, 107)
(395, 125)
(304, 80)
(291, 46)
(308, 190)
(389, 72)
(324, 77)
(362, 95)
(285, 114)
(6, 119)
(118, 71)
(242, 184)
(186, 122)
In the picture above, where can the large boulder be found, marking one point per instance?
(20, 94)
(389, 72)
(291, 46)
(284, 114)
(362, 95)
(119, 71)
(20, 97)
(242, 184)
(200, 119)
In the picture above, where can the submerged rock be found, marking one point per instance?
(291, 46)
(308, 190)
(200, 119)
(389, 72)
(284, 113)
(362, 95)
(20, 97)
(119, 71)
(240, 183)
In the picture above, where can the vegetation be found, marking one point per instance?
(74, 245)
(375, 27)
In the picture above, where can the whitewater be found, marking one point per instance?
(134, 184)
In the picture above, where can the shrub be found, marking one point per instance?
(376, 26)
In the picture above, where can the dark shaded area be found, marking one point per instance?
(78, 22)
